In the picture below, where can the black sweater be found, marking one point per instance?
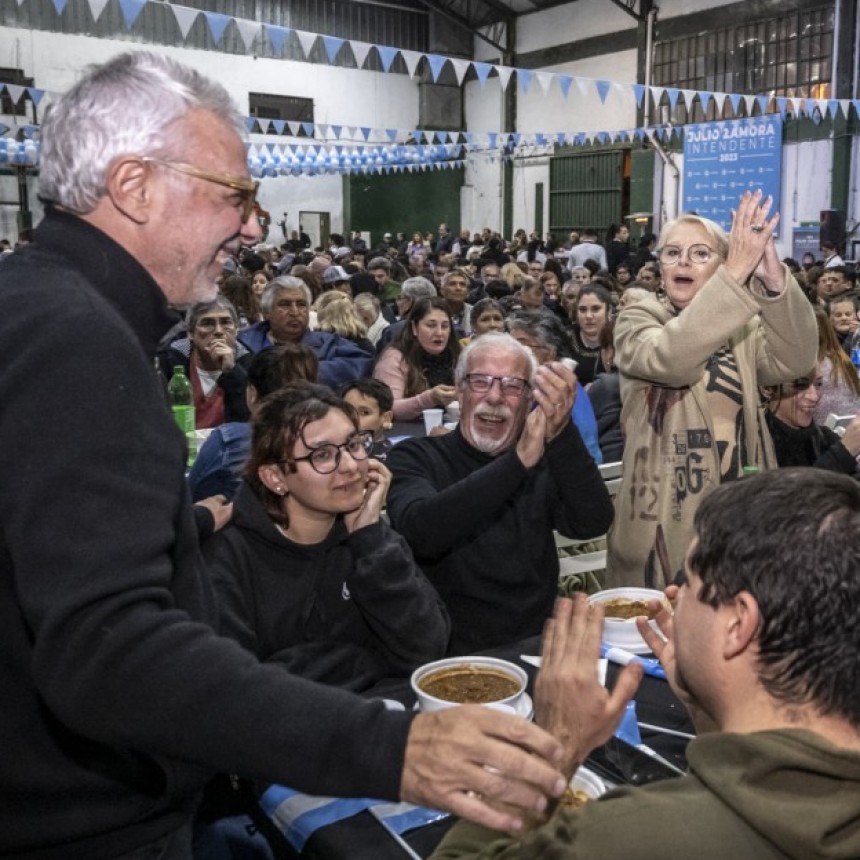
(118, 698)
(809, 446)
(349, 611)
(481, 527)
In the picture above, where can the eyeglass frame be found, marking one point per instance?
(502, 380)
(367, 445)
(688, 249)
(215, 323)
(247, 187)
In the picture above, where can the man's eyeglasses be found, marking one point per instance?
(211, 323)
(670, 255)
(247, 188)
(325, 459)
(511, 386)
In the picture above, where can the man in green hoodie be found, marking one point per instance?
(763, 650)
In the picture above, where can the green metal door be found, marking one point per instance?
(586, 190)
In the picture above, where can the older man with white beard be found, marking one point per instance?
(479, 505)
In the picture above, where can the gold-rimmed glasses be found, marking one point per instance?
(247, 188)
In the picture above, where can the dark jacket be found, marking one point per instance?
(118, 697)
(809, 446)
(481, 527)
(605, 397)
(340, 360)
(349, 611)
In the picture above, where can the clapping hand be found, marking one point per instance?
(751, 246)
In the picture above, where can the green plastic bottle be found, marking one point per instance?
(182, 403)
(750, 471)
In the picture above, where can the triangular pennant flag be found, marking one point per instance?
(524, 76)
(734, 101)
(59, 5)
(762, 102)
(360, 50)
(277, 36)
(36, 96)
(815, 114)
(3, 129)
(781, 104)
(672, 94)
(704, 99)
(749, 101)
(564, 82)
(295, 127)
(435, 62)
(460, 68)
(560, 138)
(602, 137)
(584, 85)
(602, 90)
(271, 148)
(640, 133)
(856, 103)
(845, 105)
(505, 73)
(657, 95)
(279, 125)
(130, 10)
(365, 132)
(322, 130)
(338, 130)
(307, 41)
(185, 18)
(833, 107)
(15, 92)
(638, 93)
(411, 58)
(492, 137)
(250, 122)
(689, 98)
(540, 139)
(719, 102)
(217, 24)
(391, 134)
(386, 56)
(332, 46)
(515, 137)
(308, 129)
(248, 30)
(96, 8)
(482, 70)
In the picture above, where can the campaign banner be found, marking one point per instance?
(724, 159)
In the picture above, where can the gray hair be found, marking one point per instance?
(716, 233)
(543, 326)
(193, 314)
(285, 282)
(493, 340)
(123, 107)
(418, 288)
(379, 263)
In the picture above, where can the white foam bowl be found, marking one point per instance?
(426, 702)
(589, 782)
(622, 632)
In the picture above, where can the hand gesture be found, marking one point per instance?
(220, 508)
(443, 394)
(751, 234)
(851, 437)
(555, 392)
(222, 354)
(483, 765)
(375, 493)
(570, 702)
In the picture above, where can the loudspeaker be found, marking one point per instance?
(832, 226)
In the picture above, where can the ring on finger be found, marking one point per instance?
(757, 228)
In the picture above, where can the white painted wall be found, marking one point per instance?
(341, 96)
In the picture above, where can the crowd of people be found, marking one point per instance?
(150, 642)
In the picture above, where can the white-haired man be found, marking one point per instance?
(479, 505)
(118, 697)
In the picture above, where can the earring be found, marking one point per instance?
(387, 425)
(280, 490)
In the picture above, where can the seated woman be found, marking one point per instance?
(307, 575)
(605, 396)
(593, 308)
(336, 314)
(798, 440)
(419, 366)
(840, 389)
(487, 315)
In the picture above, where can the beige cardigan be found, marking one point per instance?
(670, 456)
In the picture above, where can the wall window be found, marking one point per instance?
(7, 106)
(788, 56)
(292, 108)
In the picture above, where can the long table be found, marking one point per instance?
(362, 837)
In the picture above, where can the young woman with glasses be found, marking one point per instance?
(728, 318)
(308, 575)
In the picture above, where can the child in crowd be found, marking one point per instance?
(374, 402)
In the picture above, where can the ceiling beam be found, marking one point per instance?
(446, 11)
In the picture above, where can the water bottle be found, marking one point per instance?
(182, 404)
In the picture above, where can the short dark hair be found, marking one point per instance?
(277, 424)
(799, 560)
(376, 389)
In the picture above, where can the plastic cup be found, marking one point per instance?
(432, 418)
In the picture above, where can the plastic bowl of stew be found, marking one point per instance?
(469, 681)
